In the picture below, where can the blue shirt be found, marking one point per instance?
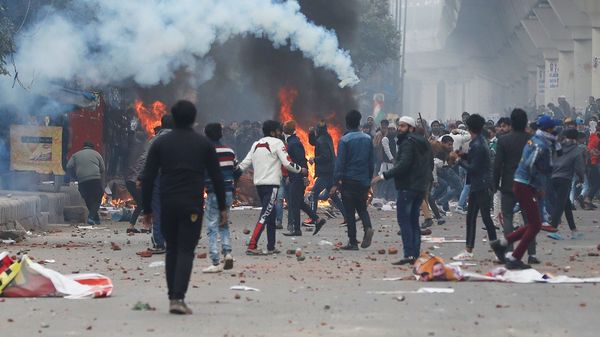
(355, 159)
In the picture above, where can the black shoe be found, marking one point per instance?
(319, 225)
(516, 265)
(580, 201)
(441, 221)
(427, 223)
(499, 250)
(350, 247)
(279, 226)
(533, 260)
(407, 260)
(293, 234)
(132, 230)
(426, 232)
(366, 242)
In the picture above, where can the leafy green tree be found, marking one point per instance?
(6, 43)
(378, 40)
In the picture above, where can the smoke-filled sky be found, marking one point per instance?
(145, 43)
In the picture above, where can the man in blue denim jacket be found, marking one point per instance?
(352, 174)
(531, 177)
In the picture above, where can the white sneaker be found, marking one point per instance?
(460, 210)
(228, 262)
(464, 256)
(213, 269)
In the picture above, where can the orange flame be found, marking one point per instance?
(287, 97)
(150, 116)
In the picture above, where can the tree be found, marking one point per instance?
(6, 42)
(378, 40)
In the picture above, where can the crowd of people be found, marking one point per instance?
(539, 168)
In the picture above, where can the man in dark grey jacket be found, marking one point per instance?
(567, 165)
(412, 174)
(508, 154)
(88, 167)
(478, 165)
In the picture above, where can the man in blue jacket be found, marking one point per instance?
(531, 178)
(352, 175)
(296, 185)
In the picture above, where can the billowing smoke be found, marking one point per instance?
(111, 42)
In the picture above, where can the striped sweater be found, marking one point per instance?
(228, 165)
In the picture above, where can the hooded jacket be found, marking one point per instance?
(266, 157)
(570, 163)
(324, 152)
(535, 166)
(413, 168)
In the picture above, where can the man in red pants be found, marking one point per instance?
(531, 178)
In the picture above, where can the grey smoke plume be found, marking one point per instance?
(105, 42)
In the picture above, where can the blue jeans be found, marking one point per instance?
(462, 202)
(211, 215)
(157, 238)
(408, 207)
(281, 194)
(320, 191)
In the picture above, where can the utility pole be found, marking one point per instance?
(402, 58)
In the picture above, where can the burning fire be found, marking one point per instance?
(108, 201)
(287, 96)
(150, 116)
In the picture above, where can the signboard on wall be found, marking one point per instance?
(36, 148)
(553, 75)
(541, 80)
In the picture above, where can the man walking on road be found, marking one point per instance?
(88, 167)
(531, 178)
(508, 154)
(228, 163)
(266, 157)
(182, 156)
(296, 186)
(352, 174)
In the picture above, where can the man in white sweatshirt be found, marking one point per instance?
(266, 157)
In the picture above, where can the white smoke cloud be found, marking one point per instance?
(148, 40)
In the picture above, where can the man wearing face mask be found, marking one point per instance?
(412, 172)
(531, 180)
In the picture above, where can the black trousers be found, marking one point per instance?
(479, 202)
(594, 175)
(508, 201)
(296, 203)
(136, 194)
(561, 188)
(91, 191)
(354, 198)
(181, 225)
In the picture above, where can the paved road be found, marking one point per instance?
(325, 295)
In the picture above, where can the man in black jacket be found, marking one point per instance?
(478, 165)
(412, 173)
(182, 156)
(296, 186)
(324, 162)
(508, 154)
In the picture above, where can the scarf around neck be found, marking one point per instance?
(550, 137)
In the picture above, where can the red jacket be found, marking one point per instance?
(594, 147)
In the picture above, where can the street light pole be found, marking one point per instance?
(402, 58)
